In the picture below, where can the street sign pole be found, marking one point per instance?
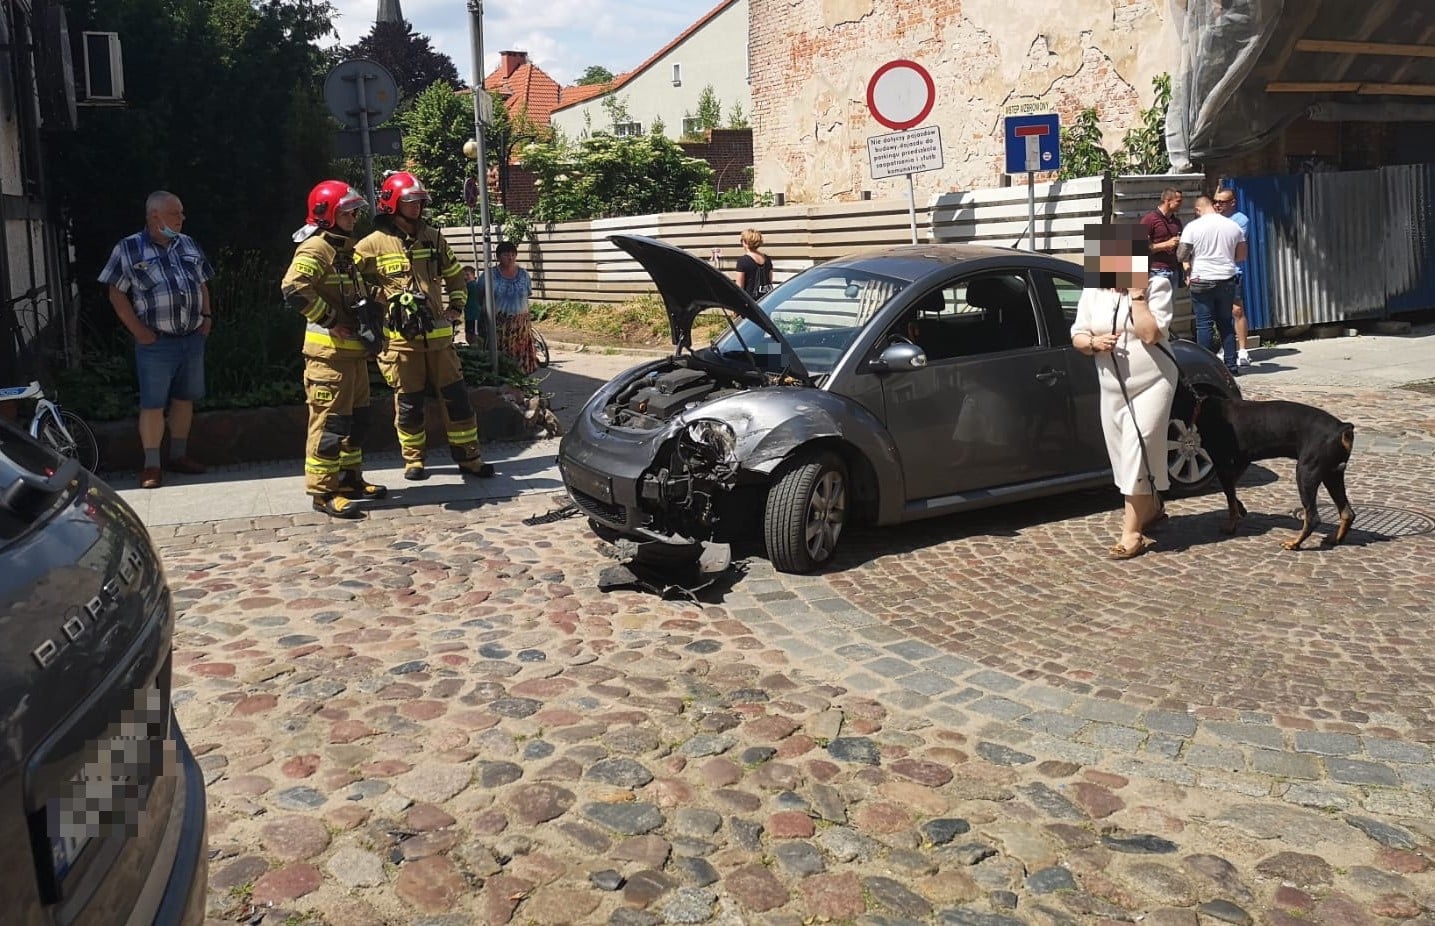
(1030, 211)
(912, 206)
(480, 133)
(364, 138)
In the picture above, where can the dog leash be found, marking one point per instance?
(1140, 439)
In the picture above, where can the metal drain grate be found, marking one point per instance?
(1377, 519)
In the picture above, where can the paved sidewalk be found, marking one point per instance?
(434, 717)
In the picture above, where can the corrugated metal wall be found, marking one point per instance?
(1330, 247)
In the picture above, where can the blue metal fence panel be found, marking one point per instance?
(1410, 231)
(1327, 247)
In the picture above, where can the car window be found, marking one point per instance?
(819, 312)
(1068, 294)
(983, 314)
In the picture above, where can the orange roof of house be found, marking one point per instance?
(527, 88)
(572, 96)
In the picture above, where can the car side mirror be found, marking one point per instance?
(901, 356)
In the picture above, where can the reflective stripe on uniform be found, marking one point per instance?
(307, 265)
(351, 459)
(444, 332)
(411, 440)
(422, 253)
(318, 466)
(466, 436)
(322, 338)
(318, 309)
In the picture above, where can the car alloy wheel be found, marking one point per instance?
(806, 511)
(1187, 462)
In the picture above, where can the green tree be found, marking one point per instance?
(407, 54)
(736, 118)
(595, 74)
(617, 109)
(605, 176)
(709, 116)
(434, 129)
(1143, 148)
(223, 107)
(1082, 154)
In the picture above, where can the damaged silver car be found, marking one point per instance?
(892, 385)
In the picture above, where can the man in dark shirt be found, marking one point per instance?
(1163, 229)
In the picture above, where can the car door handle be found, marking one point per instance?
(1050, 377)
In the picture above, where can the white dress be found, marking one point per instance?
(1150, 379)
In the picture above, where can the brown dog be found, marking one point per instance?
(1236, 433)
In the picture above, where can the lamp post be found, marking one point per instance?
(479, 152)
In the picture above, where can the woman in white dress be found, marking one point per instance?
(1125, 328)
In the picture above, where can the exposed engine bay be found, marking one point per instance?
(651, 400)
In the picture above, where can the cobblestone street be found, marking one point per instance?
(435, 717)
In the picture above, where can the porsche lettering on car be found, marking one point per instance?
(891, 385)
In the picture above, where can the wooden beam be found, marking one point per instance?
(1329, 86)
(1398, 89)
(1350, 86)
(1365, 48)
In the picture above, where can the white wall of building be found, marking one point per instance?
(715, 54)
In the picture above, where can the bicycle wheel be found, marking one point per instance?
(540, 348)
(80, 445)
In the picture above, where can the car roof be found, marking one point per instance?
(915, 261)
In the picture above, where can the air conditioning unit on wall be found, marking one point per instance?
(104, 68)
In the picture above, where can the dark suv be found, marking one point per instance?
(101, 801)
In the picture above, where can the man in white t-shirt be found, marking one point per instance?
(1211, 246)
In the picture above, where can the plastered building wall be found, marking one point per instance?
(713, 55)
(811, 61)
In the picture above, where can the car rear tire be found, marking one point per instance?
(806, 511)
(1188, 464)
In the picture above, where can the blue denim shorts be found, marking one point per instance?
(171, 368)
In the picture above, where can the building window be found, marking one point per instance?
(627, 129)
(692, 127)
(104, 67)
(677, 75)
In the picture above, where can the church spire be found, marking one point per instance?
(389, 12)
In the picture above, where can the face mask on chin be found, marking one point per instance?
(168, 232)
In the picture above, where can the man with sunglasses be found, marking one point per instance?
(1225, 203)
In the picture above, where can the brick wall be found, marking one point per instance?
(729, 151)
(811, 62)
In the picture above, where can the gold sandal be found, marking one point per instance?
(1120, 552)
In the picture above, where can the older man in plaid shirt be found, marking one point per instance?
(158, 281)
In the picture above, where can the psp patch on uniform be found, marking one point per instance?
(323, 394)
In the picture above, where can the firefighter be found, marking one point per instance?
(324, 286)
(420, 283)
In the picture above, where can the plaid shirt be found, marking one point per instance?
(165, 284)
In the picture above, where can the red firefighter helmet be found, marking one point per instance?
(401, 186)
(330, 198)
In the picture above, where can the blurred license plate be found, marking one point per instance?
(588, 482)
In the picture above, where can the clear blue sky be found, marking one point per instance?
(563, 37)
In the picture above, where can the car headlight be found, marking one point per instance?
(715, 439)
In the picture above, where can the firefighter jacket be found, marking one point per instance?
(395, 263)
(324, 286)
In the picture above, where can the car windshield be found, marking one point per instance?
(819, 312)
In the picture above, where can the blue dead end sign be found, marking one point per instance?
(1033, 143)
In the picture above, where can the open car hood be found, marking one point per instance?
(689, 286)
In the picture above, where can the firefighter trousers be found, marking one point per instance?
(415, 375)
(337, 390)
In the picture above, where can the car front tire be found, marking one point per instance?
(806, 512)
(1188, 463)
